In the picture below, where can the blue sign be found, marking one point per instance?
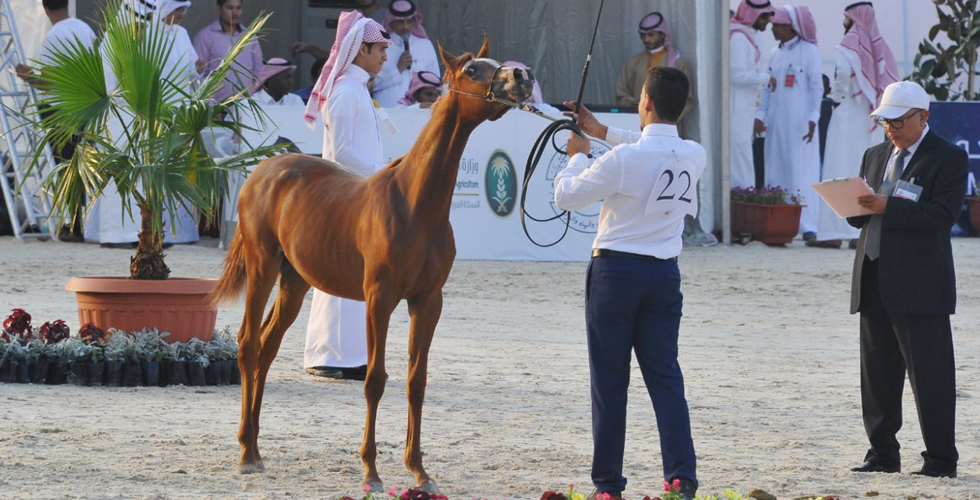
(959, 123)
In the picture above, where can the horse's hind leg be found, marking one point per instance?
(424, 312)
(289, 301)
(262, 267)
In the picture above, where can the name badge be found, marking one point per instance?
(790, 80)
(907, 190)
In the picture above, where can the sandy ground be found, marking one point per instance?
(769, 352)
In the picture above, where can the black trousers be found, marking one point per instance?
(893, 344)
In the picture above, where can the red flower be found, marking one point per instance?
(416, 494)
(92, 334)
(53, 332)
(17, 324)
(553, 495)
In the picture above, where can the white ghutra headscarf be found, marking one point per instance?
(353, 29)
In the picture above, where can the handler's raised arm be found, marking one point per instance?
(586, 121)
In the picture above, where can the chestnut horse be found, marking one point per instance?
(380, 239)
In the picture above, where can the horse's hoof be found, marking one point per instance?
(251, 468)
(376, 486)
(429, 487)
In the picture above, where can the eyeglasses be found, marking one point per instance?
(897, 123)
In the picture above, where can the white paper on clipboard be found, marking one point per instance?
(842, 195)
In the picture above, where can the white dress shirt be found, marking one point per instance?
(908, 159)
(64, 33)
(624, 179)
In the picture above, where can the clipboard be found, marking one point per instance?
(842, 194)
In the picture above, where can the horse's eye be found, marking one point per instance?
(470, 72)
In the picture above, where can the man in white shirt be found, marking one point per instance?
(790, 109)
(65, 30)
(274, 84)
(746, 82)
(336, 338)
(865, 66)
(633, 298)
(410, 51)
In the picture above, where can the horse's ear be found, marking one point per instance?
(448, 60)
(485, 50)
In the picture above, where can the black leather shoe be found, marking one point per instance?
(876, 466)
(688, 489)
(340, 373)
(932, 472)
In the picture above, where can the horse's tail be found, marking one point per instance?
(233, 278)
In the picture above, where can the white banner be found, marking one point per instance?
(485, 212)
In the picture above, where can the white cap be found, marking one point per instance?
(899, 98)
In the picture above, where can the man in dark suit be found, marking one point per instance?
(904, 284)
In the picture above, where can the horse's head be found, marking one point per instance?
(482, 82)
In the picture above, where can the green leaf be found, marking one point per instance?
(143, 136)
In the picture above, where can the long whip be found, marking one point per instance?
(548, 135)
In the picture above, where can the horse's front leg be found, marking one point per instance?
(424, 312)
(380, 305)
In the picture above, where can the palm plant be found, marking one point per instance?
(157, 159)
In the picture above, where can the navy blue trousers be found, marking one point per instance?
(635, 305)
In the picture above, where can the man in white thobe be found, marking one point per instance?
(746, 83)
(410, 51)
(336, 338)
(108, 222)
(790, 109)
(865, 66)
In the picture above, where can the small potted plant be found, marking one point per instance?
(196, 354)
(224, 352)
(770, 214)
(148, 343)
(41, 349)
(174, 362)
(16, 334)
(144, 138)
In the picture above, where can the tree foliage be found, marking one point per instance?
(941, 69)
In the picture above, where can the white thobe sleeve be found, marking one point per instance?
(842, 79)
(815, 79)
(767, 92)
(580, 184)
(341, 110)
(743, 69)
(616, 136)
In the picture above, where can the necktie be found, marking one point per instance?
(872, 243)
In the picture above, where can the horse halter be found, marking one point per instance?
(491, 97)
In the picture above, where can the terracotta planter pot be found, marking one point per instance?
(175, 305)
(974, 203)
(770, 224)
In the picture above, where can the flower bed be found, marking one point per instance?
(50, 355)
(671, 492)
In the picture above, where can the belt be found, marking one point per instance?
(605, 252)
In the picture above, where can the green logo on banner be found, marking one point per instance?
(501, 184)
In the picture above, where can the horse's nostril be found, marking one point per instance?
(530, 75)
(519, 74)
